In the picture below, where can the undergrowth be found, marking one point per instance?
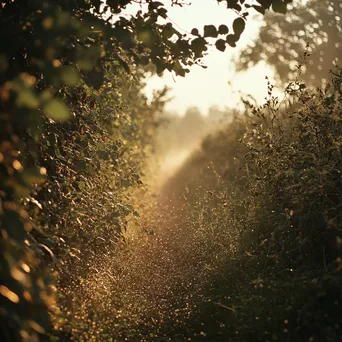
(242, 244)
(270, 186)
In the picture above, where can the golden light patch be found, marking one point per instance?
(17, 165)
(10, 295)
(35, 326)
(25, 268)
(27, 296)
(56, 63)
(47, 23)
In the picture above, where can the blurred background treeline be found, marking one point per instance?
(177, 132)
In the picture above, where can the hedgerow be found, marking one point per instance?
(266, 197)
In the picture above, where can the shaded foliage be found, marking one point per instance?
(272, 192)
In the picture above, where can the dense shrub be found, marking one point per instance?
(266, 198)
(296, 160)
(93, 159)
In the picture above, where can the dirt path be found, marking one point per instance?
(164, 272)
(154, 286)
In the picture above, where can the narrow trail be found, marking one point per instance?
(165, 271)
(157, 284)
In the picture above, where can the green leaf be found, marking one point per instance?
(238, 26)
(70, 75)
(81, 185)
(123, 63)
(223, 29)
(279, 7)
(210, 31)
(56, 110)
(220, 45)
(27, 98)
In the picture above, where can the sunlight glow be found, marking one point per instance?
(212, 86)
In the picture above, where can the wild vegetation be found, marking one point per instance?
(242, 243)
(269, 187)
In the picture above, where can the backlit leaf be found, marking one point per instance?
(56, 110)
(70, 75)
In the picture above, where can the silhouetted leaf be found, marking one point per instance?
(195, 32)
(70, 75)
(210, 31)
(279, 7)
(220, 45)
(234, 4)
(259, 9)
(223, 29)
(238, 26)
(198, 45)
(231, 40)
(144, 60)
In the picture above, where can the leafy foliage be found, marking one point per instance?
(73, 123)
(314, 33)
(259, 5)
(271, 202)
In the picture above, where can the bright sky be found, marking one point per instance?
(219, 84)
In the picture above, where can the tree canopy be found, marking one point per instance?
(310, 35)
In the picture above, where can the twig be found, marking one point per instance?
(225, 307)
